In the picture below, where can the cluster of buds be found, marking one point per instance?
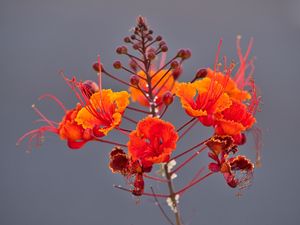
(219, 98)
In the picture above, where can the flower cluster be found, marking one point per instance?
(223, 97)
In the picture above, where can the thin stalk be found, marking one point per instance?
(161, 208)
(184, 125)
(144, 193)
(187, 151)
(181, 191)
(189, 159)
(172, 193)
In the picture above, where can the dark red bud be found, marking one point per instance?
(133, 37)
(135, 46)
(164, 48)
(89, 88)
(127, 40)
(158, 38)
(177, 72)
(133, 65)
(181, 53)
(151, 55)
(134, 80)
(96, 67)
(162, 43)
(150, 32)
(201, 73)
(117, 65)
(121, 50)
(168, 98)
(187, 54)
(174, 64)
(150, 38)
(138, 185)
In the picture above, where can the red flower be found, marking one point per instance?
(234, 120)
(153, 141)
(68, 129)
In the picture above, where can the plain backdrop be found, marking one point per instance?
(56, 186)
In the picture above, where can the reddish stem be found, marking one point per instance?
(181, 191)
(145, 193)
(184, 125)
(189, 159)
(187, 151)
(155, 178)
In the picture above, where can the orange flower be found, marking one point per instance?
(71, 131)
(231, 87)
(103, 111)
(166, 83)
(203, 98)
(68, 129)
(152, 142)
(234, 120)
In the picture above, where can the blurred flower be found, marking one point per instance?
(163, 81)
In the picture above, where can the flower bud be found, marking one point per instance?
(89, 88)
(121, 50)
(158, 38)
(151, 55)
(177, 72)
(162, 43)
(133, 65)
(134, 80)
(127, 40)
(164, 48)
(168, 98)
(187, 54)
(201, 73)
(117, 65)
(133, 37)
(149, 37)
(174, 64)
(181, 53)
(135, 46)
(96, 67)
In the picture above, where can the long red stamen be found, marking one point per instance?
(42, 116)
(55, 99)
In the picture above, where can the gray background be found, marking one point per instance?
(56, 186)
